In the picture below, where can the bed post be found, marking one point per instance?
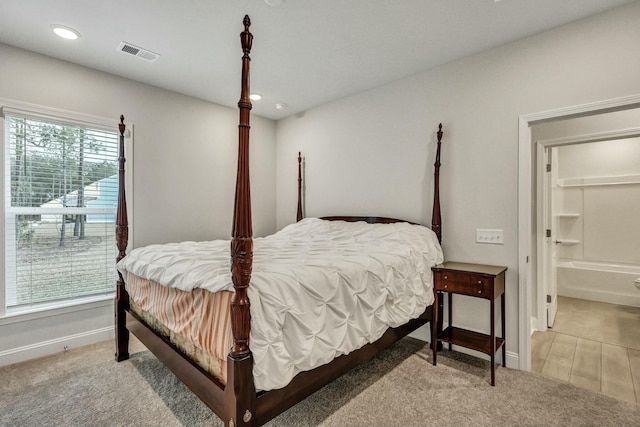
(299, 216)
(240, 393)
(122, 236)
(436, 222)
(436, 226)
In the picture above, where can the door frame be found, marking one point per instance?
(547, 244)
(528, 185)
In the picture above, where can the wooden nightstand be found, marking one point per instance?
(475, 280)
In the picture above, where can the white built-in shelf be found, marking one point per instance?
(599, 180)
(568, 215)
(568, 242)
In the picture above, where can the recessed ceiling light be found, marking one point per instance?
(274, 2)
(255, 97)
(65, 32)
(281, 106)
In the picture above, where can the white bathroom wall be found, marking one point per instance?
(600, 182)
(599, 186)
(613, 158)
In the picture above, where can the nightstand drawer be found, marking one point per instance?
(463, 283)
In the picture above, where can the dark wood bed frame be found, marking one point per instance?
(238, 403)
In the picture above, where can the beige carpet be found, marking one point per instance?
(86, 387)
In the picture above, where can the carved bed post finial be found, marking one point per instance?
(436, 222)
(122, 237)
(299, 215)
(246, 38)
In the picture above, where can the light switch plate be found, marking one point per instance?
(494, 237)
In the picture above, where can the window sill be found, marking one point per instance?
(24, 314)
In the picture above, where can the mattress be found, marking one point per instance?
(319, 289)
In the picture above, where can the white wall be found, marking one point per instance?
(601, 123)
(184, 167)
(613, 158)
(600, 182)
(372, 153)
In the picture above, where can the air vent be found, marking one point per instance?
(147, 55)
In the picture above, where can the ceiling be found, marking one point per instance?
(305, 52)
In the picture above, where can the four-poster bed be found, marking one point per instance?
(230, 387)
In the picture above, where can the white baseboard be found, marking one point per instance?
(513, 360)
(57, 345)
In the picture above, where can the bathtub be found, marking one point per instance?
(597, 281)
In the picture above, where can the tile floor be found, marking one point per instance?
(593, 345)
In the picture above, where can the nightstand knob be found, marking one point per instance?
(480, 291)
(445, 286)
(479, 282)
(445, 277)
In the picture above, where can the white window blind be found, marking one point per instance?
(61, 188)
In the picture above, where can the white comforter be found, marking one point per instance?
(319, 289)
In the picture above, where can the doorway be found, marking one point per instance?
(591, 196)
(532, 300)
(589, 191)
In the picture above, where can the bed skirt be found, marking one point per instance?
(197, 322)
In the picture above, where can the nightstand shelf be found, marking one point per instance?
(478, 281)
(469, 339)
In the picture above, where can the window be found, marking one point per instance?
(60, 187)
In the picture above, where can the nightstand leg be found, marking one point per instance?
(434, 327)
(450, 299)
(493, 343)
(504, 332)
(440, 320)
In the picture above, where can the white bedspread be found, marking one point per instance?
(319, 289)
